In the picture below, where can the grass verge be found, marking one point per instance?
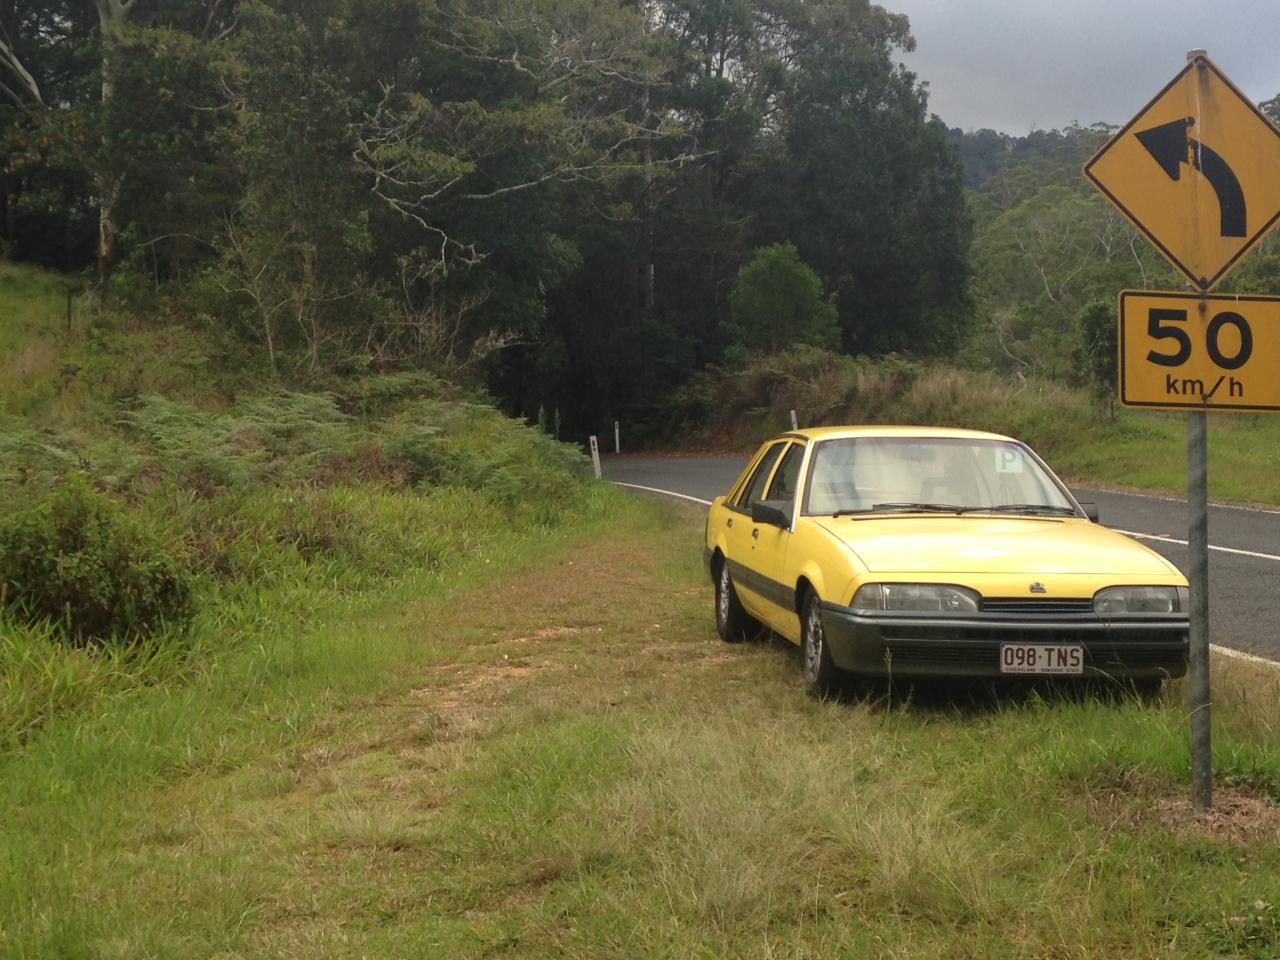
(552, 755)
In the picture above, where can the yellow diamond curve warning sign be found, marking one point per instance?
(1197, 171)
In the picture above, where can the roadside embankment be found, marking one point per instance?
(733, 409)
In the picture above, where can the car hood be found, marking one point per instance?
(992, 545)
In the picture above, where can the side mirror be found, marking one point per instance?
(776, 513)
(1090, 510)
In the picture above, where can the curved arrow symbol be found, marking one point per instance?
(1169, 143)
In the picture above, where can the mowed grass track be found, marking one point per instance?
(566, 761)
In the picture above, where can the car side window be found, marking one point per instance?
(787, 478)
(754, 490)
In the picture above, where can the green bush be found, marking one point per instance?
(74, 558)
(778, 303)
(270, 489)
(473, 447)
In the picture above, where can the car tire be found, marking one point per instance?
(733, 623)
(822, 678)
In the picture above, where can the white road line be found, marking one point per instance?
(1179, 500)
(1152, 536)
(669, 493)
(1241, 655)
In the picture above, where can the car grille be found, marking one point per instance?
(1009, 633)
(1035, 606)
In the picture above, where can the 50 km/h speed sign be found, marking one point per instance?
(1193, 351)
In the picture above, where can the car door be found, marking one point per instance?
(741, 534)
(772, 544)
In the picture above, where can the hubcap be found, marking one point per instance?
(722, 596)
(813, 649)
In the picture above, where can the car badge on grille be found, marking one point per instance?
(1037, 587)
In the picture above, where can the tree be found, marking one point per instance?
(24, 90)
(125, 105)
(391, 182)
(44, 194)
(853, 170)
(112, 17)
(21, 88)
(1096, 354)
(778, 303)
(1040, 262)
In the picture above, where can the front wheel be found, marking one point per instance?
(822, 678)
(733, 623)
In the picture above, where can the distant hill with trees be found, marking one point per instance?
(1048, 251)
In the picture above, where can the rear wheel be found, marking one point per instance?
(822, 678)
(733, 623)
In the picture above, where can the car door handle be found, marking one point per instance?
(729, 522)
(755, 533)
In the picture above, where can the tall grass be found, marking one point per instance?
(32, 338)
(264, 509)
(165, 496)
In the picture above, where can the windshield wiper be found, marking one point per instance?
(903, 506)
(1043, 509)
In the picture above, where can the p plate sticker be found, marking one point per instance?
(1008, 460)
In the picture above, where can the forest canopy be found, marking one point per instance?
(560, 192)
(558, 197)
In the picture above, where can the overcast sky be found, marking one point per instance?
(1020, 65)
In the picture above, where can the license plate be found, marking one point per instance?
(1042, 658)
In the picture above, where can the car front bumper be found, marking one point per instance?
(890, 645)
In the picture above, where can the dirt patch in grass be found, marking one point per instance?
(1241, 815)
(548, 633)
(461, 693)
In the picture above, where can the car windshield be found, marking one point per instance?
(930, 475)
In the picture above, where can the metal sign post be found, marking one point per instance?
(1197, 171)
(1198, 655)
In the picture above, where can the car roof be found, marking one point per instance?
(849, 432)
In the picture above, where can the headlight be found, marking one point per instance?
(915, 598)
(1114, 600)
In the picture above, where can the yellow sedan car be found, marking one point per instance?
(930, 552)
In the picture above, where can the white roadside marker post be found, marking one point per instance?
(595, 455)
(795, 424)
(617, 438)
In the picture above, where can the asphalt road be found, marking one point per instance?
(1244, 556)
